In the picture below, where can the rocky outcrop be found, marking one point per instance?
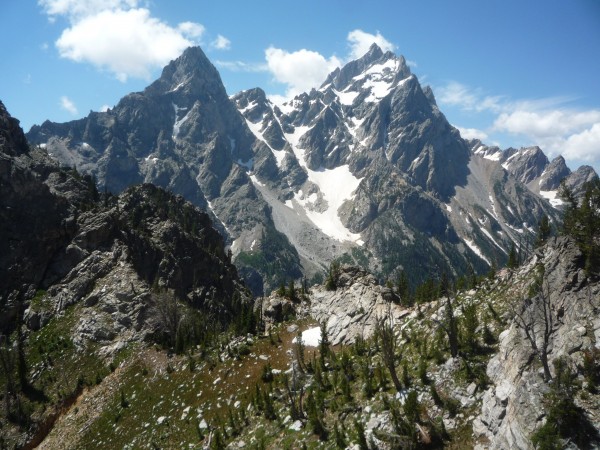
(63, 245)
(531, 167)
(354, 307)
(513, 407)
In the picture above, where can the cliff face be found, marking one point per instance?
(515, 405)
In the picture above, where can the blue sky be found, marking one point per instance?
(514, 73)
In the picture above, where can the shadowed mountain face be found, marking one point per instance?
(365, 169)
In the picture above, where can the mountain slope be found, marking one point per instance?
(87, 277)
(366, 169)
(386, 175)
(531, 166)
(181, 133)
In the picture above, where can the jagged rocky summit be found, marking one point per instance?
(366, 169)
(533, 168)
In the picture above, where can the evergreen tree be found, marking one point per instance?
(403, 289)
(582, 222)
(544, 231)
(512, 258)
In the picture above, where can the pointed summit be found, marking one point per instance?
(374, 63)
(373, 54)
(190, 72)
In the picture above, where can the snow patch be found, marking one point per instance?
(256, 129)
(346, 98)
(476, 250)
(250, 106)
(310, 337)
(489, 236)
(218, 218)
(552, 197)
(255, 181)
(494, 213)
(448, 208)
(44, 145)
(336, 185)
(178, 122)
(179, 86)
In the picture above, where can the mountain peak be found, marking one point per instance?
(374, 63)
(374, 53)
(192, 64)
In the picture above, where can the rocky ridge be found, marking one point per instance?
(104, 273)
(366, 169)
(531, 166)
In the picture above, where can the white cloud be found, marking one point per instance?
(300, 70)
(360, 41)
(76, 9)
(549, 122)
(191, 29)
(67, 104)
(221, 43)
(545, 123)
(118, 36)
(584, 146)
(457, 94)
(472, 133)
(240, 66)
(278, 100)
(104, 108)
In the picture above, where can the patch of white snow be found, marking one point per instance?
(310, 337)
(476, 250)
(178, 122)
(552, 197)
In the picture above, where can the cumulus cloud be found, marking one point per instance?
(241, 66)
(360, 41)
(584, 146)
(221, 43)
(67, 104)
(118, 36)
(76, 9)
(300, 70)
(545, 123)
(549, 122)
(472, 133)
(457, 94)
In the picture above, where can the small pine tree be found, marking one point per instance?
(513, 261)
(543, 232)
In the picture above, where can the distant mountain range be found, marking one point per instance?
(366, 170)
